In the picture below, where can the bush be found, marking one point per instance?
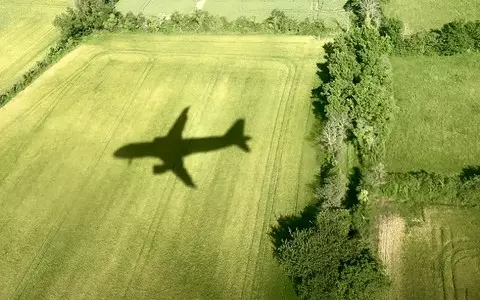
(394, 29)
(425, 188)
(453, 38)
(53, 54)
(332, 187)
(86, 17)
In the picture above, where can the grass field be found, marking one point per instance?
(76, 222)
(439, 258)
(26, 31)
(301, 9)
(436, 127)
(426, 14)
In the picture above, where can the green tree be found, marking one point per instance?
(325, 262)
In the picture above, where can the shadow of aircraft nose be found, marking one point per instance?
(122, 152)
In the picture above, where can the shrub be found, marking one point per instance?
(359, 87)
(394, 29)
(452, 38)
(425, 188)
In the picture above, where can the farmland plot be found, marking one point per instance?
(440, 257)
(76, 221)
(26, 31)
(436, 127)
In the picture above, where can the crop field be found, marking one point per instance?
(26, 31)
(440, 257)
(436, 127)
(82, 216)
(301, 9)
(427, 14)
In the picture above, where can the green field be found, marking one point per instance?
(440, 258)
(301, 9)
(26, 31)
(77, 222)
(427, 14)
(436, 127)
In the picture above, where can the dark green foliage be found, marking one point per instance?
(453, 38)
(359, 86)
(424, 188)
(394, 29)
(361, 276)
(201, 21)
(327, 262)
(87, 16)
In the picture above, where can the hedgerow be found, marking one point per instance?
(90, 16)
(327, 250)
(427, 188)
(452, 38)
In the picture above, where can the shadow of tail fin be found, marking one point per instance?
(236, 135)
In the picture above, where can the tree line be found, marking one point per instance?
(327, 250)
(452, 38)
(89, 16)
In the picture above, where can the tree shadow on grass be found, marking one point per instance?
(351, 198)
(469, 173)
(319, 101)
(288, 224)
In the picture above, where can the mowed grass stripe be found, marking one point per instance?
(128, 233)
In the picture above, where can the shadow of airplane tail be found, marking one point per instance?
(235, 135)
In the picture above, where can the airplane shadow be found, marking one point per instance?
(172, 148)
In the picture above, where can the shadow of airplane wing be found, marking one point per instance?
(178, 169)
(175, 133)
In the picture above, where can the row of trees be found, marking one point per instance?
(92, 15)
(452, 38)
(327, 249)
(88, 16)
(426, 188)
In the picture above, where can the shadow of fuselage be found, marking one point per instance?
(172, 147)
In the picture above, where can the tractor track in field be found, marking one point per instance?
(33, 56)
(33, 266)
(271, 179)
(272, 171)
(62, 90)
(153, 230)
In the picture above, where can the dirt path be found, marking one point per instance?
(391, 231)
